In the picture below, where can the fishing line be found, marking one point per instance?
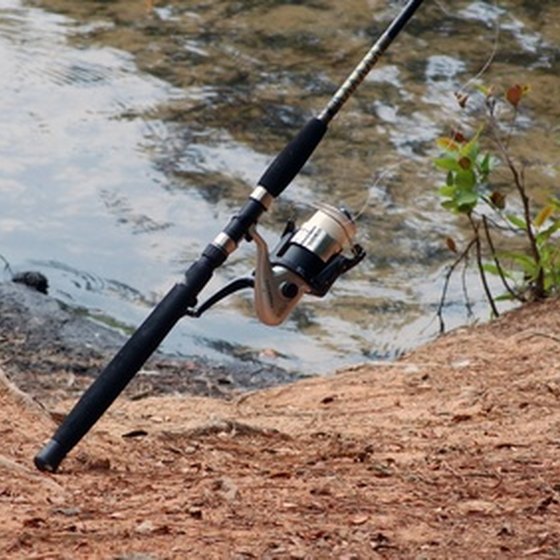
(462, 91)
(380, 177)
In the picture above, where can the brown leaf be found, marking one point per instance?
(515, 93)
(458, 136)
(451, 245)
(447, 144)
(465, 163)
(543, 215)
(498, 200)
(462, 99)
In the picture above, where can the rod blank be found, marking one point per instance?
(368, 62)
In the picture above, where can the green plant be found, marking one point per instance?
(511, 237)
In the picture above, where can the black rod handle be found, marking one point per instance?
(122, 368)
(293, 157)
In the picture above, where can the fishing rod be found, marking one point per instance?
(307, 260)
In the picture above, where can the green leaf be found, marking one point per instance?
(465, 179)
(466, 201)
(504, 297)
(498, 271)
(472, 147)
(486, 164)
(447, 163)
(485, 90)
(546, 234)
(450, 205)
(447, 190)
(450, 179)
(526, 263)
(516, 221)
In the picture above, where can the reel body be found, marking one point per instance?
(307, 260)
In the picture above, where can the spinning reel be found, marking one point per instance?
(307, 260)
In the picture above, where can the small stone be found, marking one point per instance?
(360, 519)
(145, 528)
(195, 513)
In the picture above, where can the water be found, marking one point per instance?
(130, 136)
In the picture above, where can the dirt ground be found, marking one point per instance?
(451, 452)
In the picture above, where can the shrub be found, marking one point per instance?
(510, 236)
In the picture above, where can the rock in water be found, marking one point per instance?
(32, 279)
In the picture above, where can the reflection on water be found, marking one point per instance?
(130, 137)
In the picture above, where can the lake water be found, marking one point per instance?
(131, 134)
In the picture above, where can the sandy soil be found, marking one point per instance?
(452, 451)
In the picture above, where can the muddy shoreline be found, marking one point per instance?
(449, 452)
(49, 348)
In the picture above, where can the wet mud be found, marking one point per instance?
(48, 348)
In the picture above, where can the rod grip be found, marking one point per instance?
(293, 157)
(114, 378)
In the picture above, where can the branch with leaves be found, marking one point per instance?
(499, 219)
